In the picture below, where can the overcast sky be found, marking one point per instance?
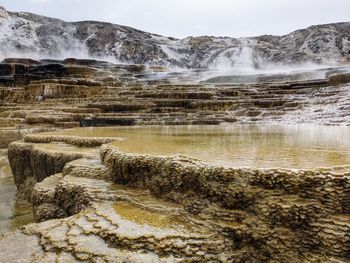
(182, 18)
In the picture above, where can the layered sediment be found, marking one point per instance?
(72, 93)
(94, 203)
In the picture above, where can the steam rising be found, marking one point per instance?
(30, 36)
(24, 38)
(245, 61)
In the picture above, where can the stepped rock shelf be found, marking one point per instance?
(110, 205)
(71, 93)
(95, 199)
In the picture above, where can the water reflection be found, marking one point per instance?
(12, 213)
(288, 146)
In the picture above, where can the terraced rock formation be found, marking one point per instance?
(93, 203)
(119, 206)
(71, 93)
(39, 95)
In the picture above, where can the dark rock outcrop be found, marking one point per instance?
(38, 36)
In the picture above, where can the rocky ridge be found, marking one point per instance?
(30, 35)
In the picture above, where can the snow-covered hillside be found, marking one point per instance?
(30, 35)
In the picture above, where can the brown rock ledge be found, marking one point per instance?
(140, 208)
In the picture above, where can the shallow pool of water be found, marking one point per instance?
(287, 146)
(12, 213)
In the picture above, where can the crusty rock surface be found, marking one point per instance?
(93, 203)
(73, 140)
(52, 99)
(121, 206)
(32, 163)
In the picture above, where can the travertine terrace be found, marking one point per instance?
(93, 203)
(72, 93)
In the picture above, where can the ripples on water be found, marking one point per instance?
(286, 146)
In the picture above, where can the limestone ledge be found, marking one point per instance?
(73, 140)
(247, 215)
(15, 133)
(165, 174)
(31, 164)
(73, 101)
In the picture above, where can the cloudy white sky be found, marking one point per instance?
(182, 18)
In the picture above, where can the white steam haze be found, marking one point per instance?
(183, 18)
(243, 61)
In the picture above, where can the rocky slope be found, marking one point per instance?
(25, 34)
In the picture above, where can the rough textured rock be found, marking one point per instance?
(73, 140)
(46, 101)
(31, 164)
(38, 36)
(101, 205)
(132, 207)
